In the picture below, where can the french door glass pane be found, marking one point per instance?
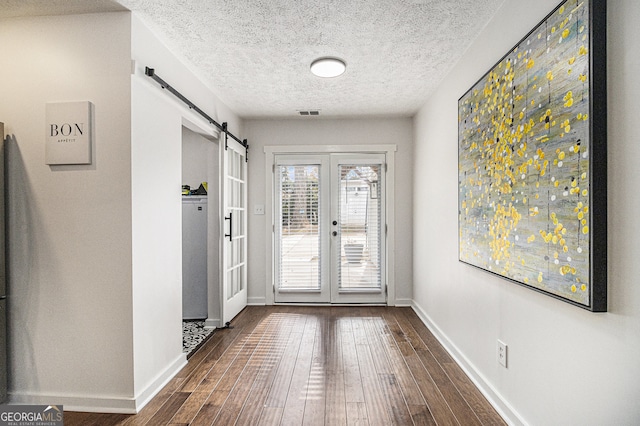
(359, 212)
(235, 189)
(298, 227)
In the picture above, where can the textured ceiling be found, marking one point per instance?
(256, 54)
(15, 8)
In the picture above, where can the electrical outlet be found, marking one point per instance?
(502, 354)
(258, 209)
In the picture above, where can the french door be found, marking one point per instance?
(329, 232)
(234, 230)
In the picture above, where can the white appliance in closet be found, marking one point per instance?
(194, 257)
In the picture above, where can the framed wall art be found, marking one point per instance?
(532, 160)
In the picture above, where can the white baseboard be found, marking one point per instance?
(213, 323)
(508, 413)
(256, 301)
(103, 403)
(404, 303)
(161, 381)
(95, 404)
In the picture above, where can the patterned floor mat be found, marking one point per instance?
(193, 335)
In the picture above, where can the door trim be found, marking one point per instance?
(388, 149)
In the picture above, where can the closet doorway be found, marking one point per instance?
(200, 227)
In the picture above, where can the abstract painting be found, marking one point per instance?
(532, 160)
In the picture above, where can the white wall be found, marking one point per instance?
(69, 227)
(261, 133)
(156, 139)
(94, 252)
(195, 158)
(566, 366)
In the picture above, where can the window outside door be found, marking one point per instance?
(329, 228)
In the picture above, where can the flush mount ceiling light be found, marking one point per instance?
(328, 67)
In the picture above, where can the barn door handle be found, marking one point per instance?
(230, 219)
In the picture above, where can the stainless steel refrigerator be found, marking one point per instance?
(3, 279)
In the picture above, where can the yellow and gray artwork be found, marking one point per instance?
(524, 160)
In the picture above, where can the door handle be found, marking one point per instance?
(334, 233)
(230, 219)
(335, 222)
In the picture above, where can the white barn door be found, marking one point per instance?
(234, 229)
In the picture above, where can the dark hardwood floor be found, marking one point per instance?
(283, 365)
